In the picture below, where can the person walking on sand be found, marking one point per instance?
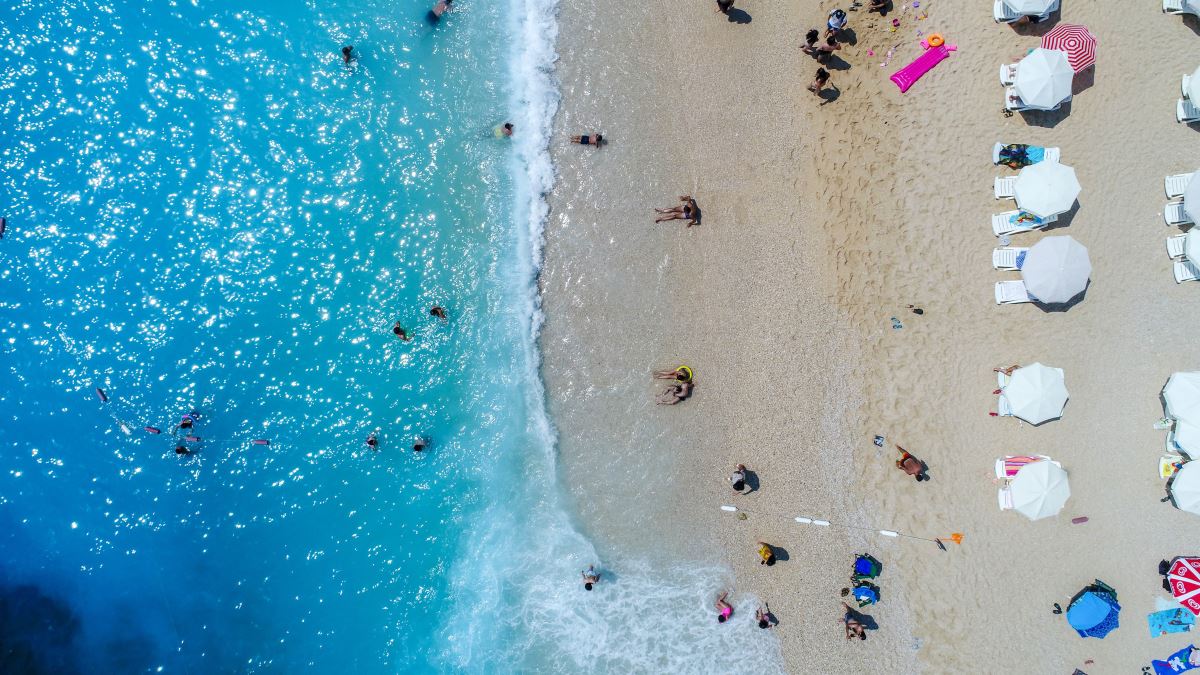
(399, 331)
(724, 609)
(810, 42)
(738, 478)
(686, 210)
(911, 465)
(590, 577)
(837, 22)
(723, 6)
(825, 51)
(767, 553)
(818, 83)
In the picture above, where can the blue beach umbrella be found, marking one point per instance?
(1094, 614)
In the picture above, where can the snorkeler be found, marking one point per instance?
(399, 331)
(590, 577)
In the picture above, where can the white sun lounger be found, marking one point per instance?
(1002, 224)
(1004, 496)
(1014, 102)
(1002, 13)
(1175, 246)
(1185, 271)
(1006, 258)
(1053, 154)
(1175, 185)
(1168, 6)
(1008, 74)
(1002, 474)
(1175, 214)
(1006, 187)
(1011, 293)
(1186, 112)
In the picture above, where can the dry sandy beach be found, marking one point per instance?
(820, 222)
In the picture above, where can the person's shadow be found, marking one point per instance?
(736, 15)
(830, 94)
(751, 482)
(781, 553)
(868, 622)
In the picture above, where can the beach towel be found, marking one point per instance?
(1014, 464)
(1179, 662)
(1176, 620)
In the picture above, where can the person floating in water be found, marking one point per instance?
(591, 139)
(186, 423)
(420, 444)
(439, 9)
(373, 441)
(348, 54)
(590, 577)
(182, 450)
(438, 311)
(399, 331)
(508, 129)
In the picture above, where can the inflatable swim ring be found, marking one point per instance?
(687, 370)
(936, 40)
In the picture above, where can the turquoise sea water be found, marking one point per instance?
(207, 210)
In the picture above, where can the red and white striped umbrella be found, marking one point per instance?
(1185, 582)
(1077, 41)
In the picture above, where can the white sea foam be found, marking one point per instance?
(518, 602)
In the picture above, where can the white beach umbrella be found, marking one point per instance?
(1191, 245)
(1193, 88)
(1191, 6)
(1047, 189)
(1185, 488)
(1037, 393)
(1191, 195)
(1182, 395)
(1032, 7)
(1040, 490)
(1044, 78)
(1056, 269)
(1187, 439)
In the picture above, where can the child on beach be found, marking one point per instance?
(810, 42)
(767, 553)
(911, 465)
(764, 618)
(819, 82)
(590, 577)
(724, 609)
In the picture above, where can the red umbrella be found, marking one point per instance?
(1185, 582)
(1077, 41)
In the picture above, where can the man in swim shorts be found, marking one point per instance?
(590, 577)
(911, 465)
(738, 478)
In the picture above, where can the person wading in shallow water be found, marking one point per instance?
(590, 577)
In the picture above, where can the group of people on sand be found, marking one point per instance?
(684, 383)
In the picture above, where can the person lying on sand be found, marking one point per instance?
(1007, 371)
(687, 210)
(911, 465)
(591, 139)
(854, 627)
(764, 618)
(675, 393)
(682, 374)
(877, 5)
(724, 609)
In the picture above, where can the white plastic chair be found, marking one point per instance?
(1175, 214)
(1008, 74)
(1175, 246)
(1006, 258)
(1002, 224)
(1175, 185)
(1014, 102)
(1169, 6)
(1053, 154)
(1011, 293)
(1005, 187)
(1004, 496)
(1002, 13)
(1185, 271)
(1002, 473)
(1186, 112)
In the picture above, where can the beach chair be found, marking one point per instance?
(1175, 185)
(1175, 246)
(1011, 293)
(1003, 407)
(1169, 6)
(1005, 223)
(1005, 497)
(1008, 465)
(1175, 214)
(1006, 258)
(1168, 465)
(1005, 188)
(1053, 154)
(1014, 103)
(1186, 112)
(1008, 74)
(1185, 271)
(1002, 13)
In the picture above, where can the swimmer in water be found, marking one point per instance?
(419, 444)
(348, 54)
(590, 577)
(399, 331)
(186, 423)
(438, 311)
(182, 450)
(724, 609)
(3, 226)
(507, 129)
(592, 139)
(439, 9)
(373, 441)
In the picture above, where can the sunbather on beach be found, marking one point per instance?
(682, 374)
(591, 139)
(854, 627)
(911, 465)
(877, 5)
(723, 6)
(687, 210)
(675, 393)
(724, 609)
(819, 81)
